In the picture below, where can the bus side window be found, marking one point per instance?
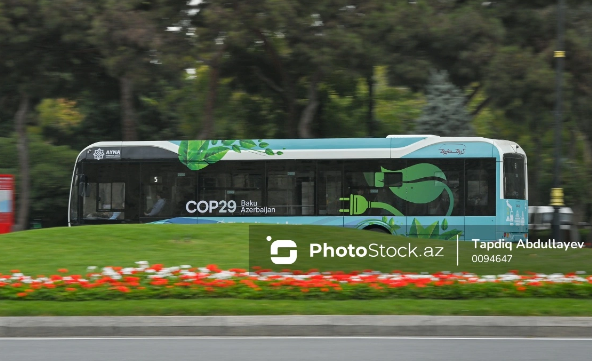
(480, 199)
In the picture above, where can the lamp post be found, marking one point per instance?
(557, 191)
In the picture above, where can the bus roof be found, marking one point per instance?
(393, 146)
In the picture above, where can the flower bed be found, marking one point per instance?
(153, 282)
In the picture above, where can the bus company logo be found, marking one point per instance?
(283, 243)
(458, 149)
(99, 154)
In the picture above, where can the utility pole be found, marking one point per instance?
(557, 191)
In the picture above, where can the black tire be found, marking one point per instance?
(377, 229)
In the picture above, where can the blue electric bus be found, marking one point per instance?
(414, 185)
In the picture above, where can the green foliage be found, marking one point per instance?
(445, 113)
(51, 173)
(267, 54)
(59, 118)
(270, 290)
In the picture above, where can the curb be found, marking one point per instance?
(449, 326)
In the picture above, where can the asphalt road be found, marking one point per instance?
(294, 348)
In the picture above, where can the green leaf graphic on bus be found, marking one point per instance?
(190, 153)
(198, 154)
(417, 230)
(416, 190)
(432, 231)
(248, 144)
(214, 154)
(422, 183)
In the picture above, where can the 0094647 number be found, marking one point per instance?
(484, 258)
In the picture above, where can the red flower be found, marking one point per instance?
(15, 271)
(213, 268)
(521, 288)
(324, 289)
(159, 282)
(70, 289)
(63, 270)
(22, 294)
(122, 289)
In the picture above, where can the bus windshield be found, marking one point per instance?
(514, 177)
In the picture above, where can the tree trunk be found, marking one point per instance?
(207, 130)
(370, 116)
(128, 113)
(22, 147)
(309, 111)
(287, 86)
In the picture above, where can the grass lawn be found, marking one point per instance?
(219, 307)
(44, 251)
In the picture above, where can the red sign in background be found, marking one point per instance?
(6, 198)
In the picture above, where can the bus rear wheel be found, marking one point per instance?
(377, 229)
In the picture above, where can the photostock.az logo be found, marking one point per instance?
(283, 243)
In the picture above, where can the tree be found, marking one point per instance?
(130, 36)
(33, 63)
(51, 174)
(445, 113)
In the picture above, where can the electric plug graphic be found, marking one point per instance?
(359, 204)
